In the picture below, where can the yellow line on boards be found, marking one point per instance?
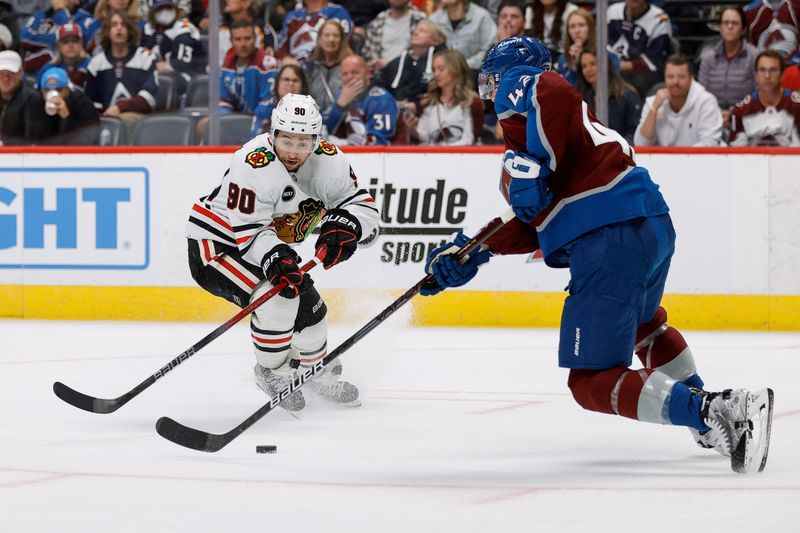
(450, 308)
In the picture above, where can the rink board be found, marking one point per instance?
(99, 235)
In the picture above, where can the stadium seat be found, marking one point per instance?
(116, 131)
(167, 96)
(234, 129)
(163, 130)
(197, 92)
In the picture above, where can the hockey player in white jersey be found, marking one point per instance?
(278, 188)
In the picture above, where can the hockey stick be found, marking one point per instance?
(210, 442)
(104, 406)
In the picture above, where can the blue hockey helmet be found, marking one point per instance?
(511, 52)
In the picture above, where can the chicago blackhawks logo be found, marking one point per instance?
(259, 158)
(325, 148)
(297, 226)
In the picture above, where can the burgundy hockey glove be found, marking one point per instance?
(338, 236)
(280, 264)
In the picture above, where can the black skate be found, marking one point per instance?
(743, 420)
(272, 383)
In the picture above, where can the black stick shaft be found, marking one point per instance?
(104, 406)
(209, 442)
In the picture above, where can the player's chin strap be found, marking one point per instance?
(210, 442)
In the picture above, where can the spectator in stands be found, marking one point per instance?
(101, 12)
(510, 19)
(547, 20)
(726, 70)
(290, 79)
(10, 21)
(21, 109)
(682, 113)
(248, 11)
(6, 39)
(174, 42)
(469, 29)
(70, 55)
(641, 36)
(407, 77)
(363, 13)
(363, 114)
(39, 34)
(324, 68)
(775, 24)
(247, 77)
(299, 30)
(122, 78)
(390, 33)
(71, 115)
(771, 115)
(580, 35)
(624, 104)
(452, 113)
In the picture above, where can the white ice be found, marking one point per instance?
(461, 430)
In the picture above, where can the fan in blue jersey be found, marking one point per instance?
(362, 114)
(40, 30)
(70, 55)
(122, 78)
(580, 197)
(174, 41)
(248, 73)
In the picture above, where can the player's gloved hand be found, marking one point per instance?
(280, 264)
(338, 236)
(527, 193)
(447, 271)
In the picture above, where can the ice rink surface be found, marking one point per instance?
(461, 430)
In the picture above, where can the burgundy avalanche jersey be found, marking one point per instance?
(774, 27)
(299, 31)
(589, 168)
(752, 124)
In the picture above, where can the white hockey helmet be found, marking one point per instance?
(296, 113)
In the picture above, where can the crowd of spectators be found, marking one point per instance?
(391, 71)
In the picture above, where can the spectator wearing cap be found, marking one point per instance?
(39, 34)
(21, 109)
(70, 55)
(175, 43)
(71, 115)
(121, 79)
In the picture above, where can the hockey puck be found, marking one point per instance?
(267, 448)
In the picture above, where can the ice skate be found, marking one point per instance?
(328, 386)
(743, 422)
(273, 383)
(709, 439)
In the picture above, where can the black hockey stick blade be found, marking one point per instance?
(85, 402)
(210, 442)
(190, 437)
(105, 406)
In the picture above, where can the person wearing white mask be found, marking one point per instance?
(174, 41)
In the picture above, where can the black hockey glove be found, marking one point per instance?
(338, 236)
(280, 264)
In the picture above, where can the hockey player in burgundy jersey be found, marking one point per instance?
(580, 197)
(278, 188)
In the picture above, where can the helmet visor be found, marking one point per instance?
(486, 86)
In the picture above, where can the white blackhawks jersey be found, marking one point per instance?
(260, 204)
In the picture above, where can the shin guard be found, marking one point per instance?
(661, 347)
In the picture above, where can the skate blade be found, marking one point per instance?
(751, 453)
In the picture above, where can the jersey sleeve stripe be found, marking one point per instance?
(209, 214)
(552, 163)
(212, 230)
